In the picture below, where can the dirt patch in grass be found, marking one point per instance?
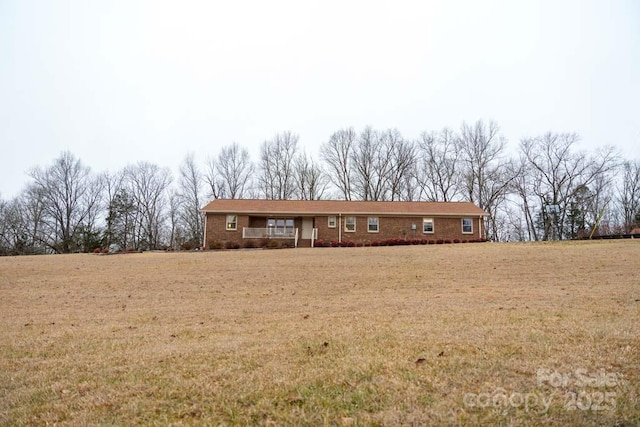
(442, 334)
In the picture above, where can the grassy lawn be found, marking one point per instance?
(465, 334)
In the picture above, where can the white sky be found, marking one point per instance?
(116, 82)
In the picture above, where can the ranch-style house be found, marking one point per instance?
(302, 222)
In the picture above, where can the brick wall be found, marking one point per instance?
(396, 227)
(389, 227)
(217, 229)
(324, 232)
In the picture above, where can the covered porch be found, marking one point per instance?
(300, 230)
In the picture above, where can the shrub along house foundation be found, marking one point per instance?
(250, 223)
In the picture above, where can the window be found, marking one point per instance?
(288, 226)
(427, 225)
(373, 224)
(332, 222)
(280, 226)
(467, 225)
(232, 222)
(350, 224)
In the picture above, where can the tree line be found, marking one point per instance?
(548, 190)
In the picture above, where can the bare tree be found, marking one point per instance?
(485, 173)
(524, 181)
(590, 204)
(21, 233)
(147, 184)
(191, 200)
(177, 235)
(517, 230)
(216, 187)
(337, 153)
(438, 166)
(14, 235)
(276, 176)
(310, 180)
(372, 163)
(71, 197)
(558, 180)
(554, 169)
(229, 175)
(91, 227)
(5, 229)
(628, 195)
(410, 190)
(402, 154)
(31, 211)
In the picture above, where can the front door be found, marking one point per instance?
(307, 228)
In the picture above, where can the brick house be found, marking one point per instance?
(302, 222)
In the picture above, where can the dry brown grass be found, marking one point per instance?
(334, 336)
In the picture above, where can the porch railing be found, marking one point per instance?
(269, 233)
(274, 233)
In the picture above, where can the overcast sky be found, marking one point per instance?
(116, 82)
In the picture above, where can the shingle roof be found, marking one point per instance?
(334, 207)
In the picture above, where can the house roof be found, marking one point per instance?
(344, 207)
